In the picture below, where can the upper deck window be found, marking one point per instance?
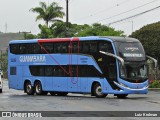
(106, 47)
(130, 51)
(14, 48)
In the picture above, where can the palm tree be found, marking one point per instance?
(49, 13)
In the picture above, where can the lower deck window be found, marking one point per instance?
(72, 71)
(13, 71)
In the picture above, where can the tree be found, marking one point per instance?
(48, 13)
(4, 62)
(58, 29)
(30, 36)
(149, 36)
(99, 30)
(45, 32)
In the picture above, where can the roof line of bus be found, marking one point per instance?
(55, 40)
(109, 38)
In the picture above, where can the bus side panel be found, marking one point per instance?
(12, 79)
(60, 84)
(74, 84)
(48, 84)
(15, 77)
(84, 85)
(19, 77)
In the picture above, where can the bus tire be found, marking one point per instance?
(38, 88)
(97, 91)
(29, 88)
(122, 95)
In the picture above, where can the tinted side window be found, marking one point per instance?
(84, 47)
(88, 71)
(59, 72)
(89, 47)
(106, 47)
(13, 71)
(14, 48)
(37, 70)
(23, 48)
(93, 46)
(35, 49)
(49, 70)
(74, 47)
(48, 48)
(61, 47)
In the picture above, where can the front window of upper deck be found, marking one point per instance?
(130, 51)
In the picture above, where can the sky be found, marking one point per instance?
(16, 17)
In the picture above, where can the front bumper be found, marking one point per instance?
(128, 90)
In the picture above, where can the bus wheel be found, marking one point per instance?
(122, 95)
(38, 88)
(28, 88)
(97, 90)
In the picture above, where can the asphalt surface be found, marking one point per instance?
(15, 100)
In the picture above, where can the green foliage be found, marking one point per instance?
(30, 36)
(4, 61)
(51, 12)
(59, 29)
(149, 36)
(154, 84)
(45, 32)
(48, 13)
(99, 30)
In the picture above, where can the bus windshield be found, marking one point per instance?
(130, 51)
(134, 71)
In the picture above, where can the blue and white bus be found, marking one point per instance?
(95, 65)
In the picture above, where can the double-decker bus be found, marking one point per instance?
(95, 65)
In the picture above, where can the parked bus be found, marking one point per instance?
(95, 65)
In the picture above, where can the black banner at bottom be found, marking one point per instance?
(79, 113)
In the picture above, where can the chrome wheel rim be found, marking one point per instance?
(29, 87)
(38, 88)
(99, 90)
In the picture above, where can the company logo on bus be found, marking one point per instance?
(131, 48)
(40, 58)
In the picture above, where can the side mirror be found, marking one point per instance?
(112, 55)
(154, 60)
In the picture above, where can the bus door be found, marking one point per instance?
(107, 63)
